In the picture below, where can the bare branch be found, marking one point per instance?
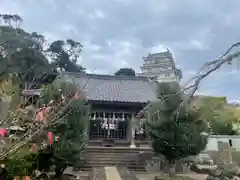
(193, 84)
(30, 135)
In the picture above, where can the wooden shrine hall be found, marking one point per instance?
(115, 101)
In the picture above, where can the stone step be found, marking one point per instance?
(88, 168)
(112, 172)
(122, 156)
(126, 173)
(117, 149)
(107, 164)
(109, 161)
(106, 161)
(115, 156)
(110, 154)
(117, 161)
(113, 159)
(113, 152)
(98, 173)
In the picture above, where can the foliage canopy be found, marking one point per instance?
(176, 130)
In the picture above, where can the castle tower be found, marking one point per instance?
(161, 66)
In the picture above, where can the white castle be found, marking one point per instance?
(160, 66)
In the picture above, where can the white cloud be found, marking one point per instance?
(187, 76)
(124, 1)
(49, 2)
(11, 7)
(193, 44)
(97, 14)
(197, 44)
(93, 47)
(158, 48)
(115, 35)
(96, 71)
(50, 36)
(69, 29)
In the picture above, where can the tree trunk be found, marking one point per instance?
(171, 165)
(59, 169)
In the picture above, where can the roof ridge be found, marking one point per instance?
(107, 76)
(107, 87)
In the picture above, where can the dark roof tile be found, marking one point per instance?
(116, 88)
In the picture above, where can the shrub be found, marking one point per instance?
(195, 168)
(229, 170)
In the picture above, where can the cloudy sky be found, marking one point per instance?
(118, 33)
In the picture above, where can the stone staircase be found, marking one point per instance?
(126, 174)
(98, 173)
(132, 158)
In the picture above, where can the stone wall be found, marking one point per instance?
(157, 164)
(215, 155)
(223, 155)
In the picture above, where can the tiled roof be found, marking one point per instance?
(160, 55)
(116, 88)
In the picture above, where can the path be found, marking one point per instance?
(195, 176)
(112, 173)
(150, 176)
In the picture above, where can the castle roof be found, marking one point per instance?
(165, 54)
(111, 88)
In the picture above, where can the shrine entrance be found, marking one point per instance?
(109, 125)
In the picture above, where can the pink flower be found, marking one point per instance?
(3, 132)
(33, 148)
(50, 137)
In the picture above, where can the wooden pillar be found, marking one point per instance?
(129, 129)
(132, 128)
(87, 127)
(87, 130)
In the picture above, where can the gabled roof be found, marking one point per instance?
(115, 88)
(165, 54)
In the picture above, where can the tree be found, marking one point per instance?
(23, 62)
(69, 150)
(21, 54)
(125, 72)
(176, 132)
(68, 127)
(224, 121)
(220, 116)
(65, 55)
